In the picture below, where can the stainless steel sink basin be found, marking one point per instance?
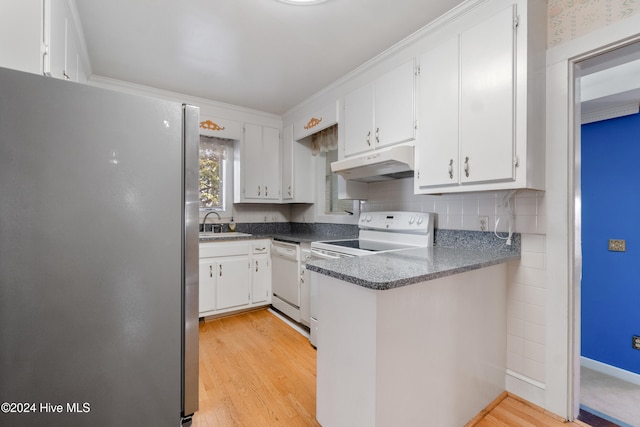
(226, 234)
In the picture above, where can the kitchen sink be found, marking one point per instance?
(225, 234)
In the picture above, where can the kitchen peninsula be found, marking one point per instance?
(413, 335)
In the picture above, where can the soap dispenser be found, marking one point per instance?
(232, 225)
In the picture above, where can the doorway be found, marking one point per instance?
(608, 383)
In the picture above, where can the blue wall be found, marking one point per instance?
(611, 210)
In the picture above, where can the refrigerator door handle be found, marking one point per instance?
(190, 361)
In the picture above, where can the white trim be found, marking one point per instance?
(610, 113)
(525, 387)
(563, 234)
(610, 370)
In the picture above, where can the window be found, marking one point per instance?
(333, 205)
(216, 186)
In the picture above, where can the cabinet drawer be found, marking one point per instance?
(261, 247)
(221, 249)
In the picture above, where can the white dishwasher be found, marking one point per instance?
(285, 268)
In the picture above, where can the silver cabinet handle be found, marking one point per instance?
(220, 270)
(466, 167)
(210, 270)
(451, 168)
(289, 190)
(377, 135)
(258, 190)
(369, 138)
(256, 265)
(266, 191)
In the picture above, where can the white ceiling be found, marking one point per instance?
(260, 54)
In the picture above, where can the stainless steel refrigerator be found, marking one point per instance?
(98, 256)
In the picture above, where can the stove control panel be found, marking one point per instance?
(396, 220)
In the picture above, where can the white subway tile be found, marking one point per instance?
(533, 243)
(515, 362)
(532, 260)
(533, 369)
(515, 344)
(533, 351)
(534, 332)
(535, 314)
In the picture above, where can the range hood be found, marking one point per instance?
(380, 165)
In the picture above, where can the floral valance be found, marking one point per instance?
(213, 148)
(325, 140)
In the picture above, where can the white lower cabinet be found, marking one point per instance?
(207, 295)
(232, 282)
(260, 272)
(234, 275)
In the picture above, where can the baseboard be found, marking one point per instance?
(490, 407)
(610, 370)
(296, 326)
(526, 388)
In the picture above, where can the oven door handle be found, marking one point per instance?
(323, 255)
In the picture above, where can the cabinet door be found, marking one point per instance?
(487, 77)
(270, 163)
(437, 148)
(260, 278)
(55, 35)
(252, 162)
(232, 282)
(358, 121)
(207, 286)
(287, 163)
(394, 106)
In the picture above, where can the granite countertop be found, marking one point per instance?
(290, 237)
(395, 269)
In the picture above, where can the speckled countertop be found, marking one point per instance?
(288, 232)
(468, 251)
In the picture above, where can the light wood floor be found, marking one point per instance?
(255, 370)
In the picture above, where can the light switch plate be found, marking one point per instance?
(617, 245)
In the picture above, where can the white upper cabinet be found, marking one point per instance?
(41, 37)
(61, 43)
(437, 147)
(394, 111)
(297, 169)
(481, 120)
(487, 89)
(381, 113)
(257, 173)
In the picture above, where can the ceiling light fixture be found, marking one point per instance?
(302, 2)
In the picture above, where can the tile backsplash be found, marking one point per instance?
(461, 211)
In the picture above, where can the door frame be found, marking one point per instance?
(563, 200)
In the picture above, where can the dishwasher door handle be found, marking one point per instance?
(285, 252)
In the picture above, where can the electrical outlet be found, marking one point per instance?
(617, 245)
(635, 342)
(483, 223)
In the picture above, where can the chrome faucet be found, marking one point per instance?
(204, 221)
